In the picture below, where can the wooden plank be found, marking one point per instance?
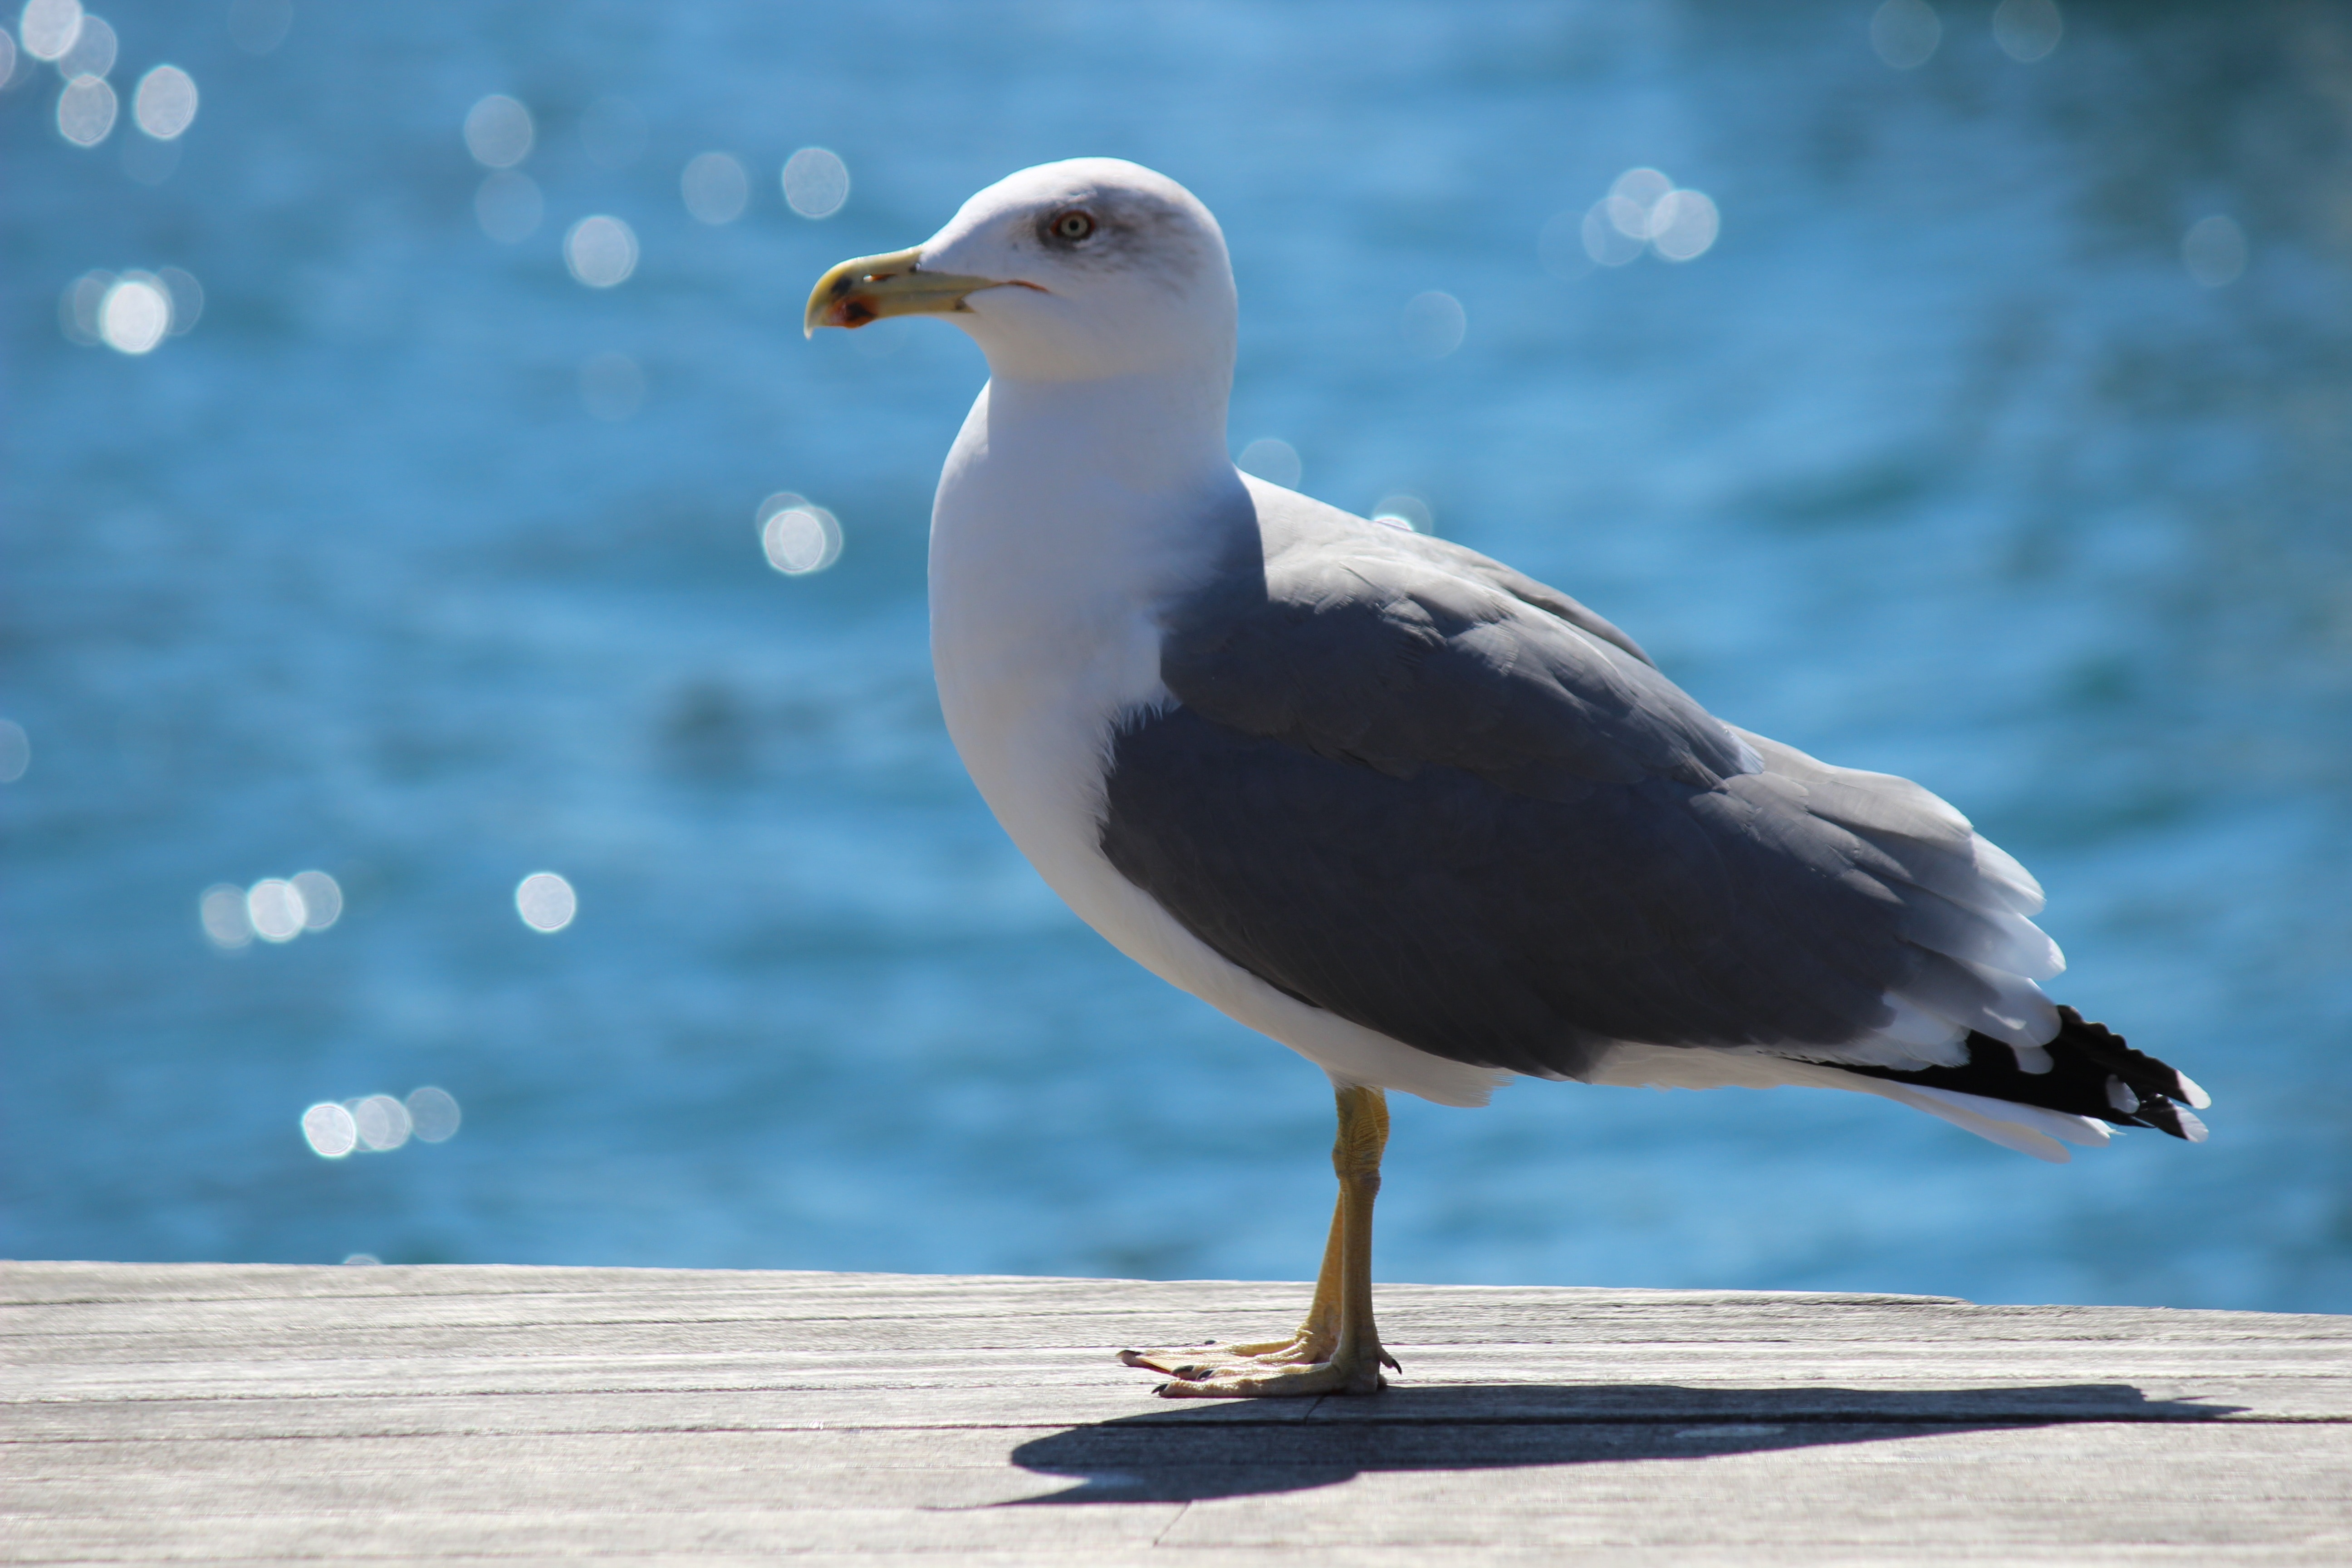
(153, 1413)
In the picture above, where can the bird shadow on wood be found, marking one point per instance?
(1243, 1448)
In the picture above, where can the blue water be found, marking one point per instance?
(1938, 461)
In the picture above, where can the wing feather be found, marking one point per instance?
(1404, 784)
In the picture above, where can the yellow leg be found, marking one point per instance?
(1338, 1342)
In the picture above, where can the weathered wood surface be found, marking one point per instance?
(477, 1413)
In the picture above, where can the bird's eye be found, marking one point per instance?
(1072, 226)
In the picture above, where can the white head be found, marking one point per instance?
(1073, 271)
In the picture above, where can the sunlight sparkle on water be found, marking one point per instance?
(330, 1131)
(1408, 512)
(78, 307)
(323, 899)
(1433, 324)
(601, 251)
(1273, 459)
(135, 313)
(797, 536)
(2027, 30)
(86, 110)
(1905, 33)
(185, 295)
(382, 1122)
(546, 902)
(1683, 225)
(95, 48)
(165, 103)
(2214, 250)
(816, 182)
(1646, 211)
(433, 1112)
(275, 910)
(48, 27)
(715, 187)
(378, 1124)
(221, 911)
(121, 310)
(498, 131)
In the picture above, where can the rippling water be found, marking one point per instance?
(420, 562)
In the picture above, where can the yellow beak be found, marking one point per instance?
(872, 286)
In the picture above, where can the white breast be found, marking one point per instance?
(1048, 575)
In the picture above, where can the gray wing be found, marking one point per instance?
(1404, 784)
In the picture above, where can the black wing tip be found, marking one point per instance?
(2093, 1072)
(2159, 1094)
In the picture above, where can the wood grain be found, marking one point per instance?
(463, 1415)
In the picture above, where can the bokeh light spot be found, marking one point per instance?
(1273, 459)
(275, 908)
(78, 307)
(601, 251)
(1407, 511)
(498, 131)
(2027, 30)
(1433, 324)
(86, 110)
(612, 387)
(1905, 33)
(257, 26)
(382, 1122)
(95, 49)
(1603, 240)
(1683, 225)
(1632, 196)
(165, 103)
(186, 297)
(135, 313)
(330, 1131)
(509, 207)
(546, 902)
(1644, 210)
(48, 27)
(221, 911)
(2214, 251)
(433, 1112)
(816, 182)
(798, 538)
(715, 187)
(16, 751)
(323, 899)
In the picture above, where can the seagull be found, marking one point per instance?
(1422, 819)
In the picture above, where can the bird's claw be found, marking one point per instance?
(1307, 1362)
(1355, 1374)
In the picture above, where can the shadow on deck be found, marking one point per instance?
(1235, 1450)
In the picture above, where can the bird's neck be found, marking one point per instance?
(1086, 492)
(1069, 515)
(1148, 434)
